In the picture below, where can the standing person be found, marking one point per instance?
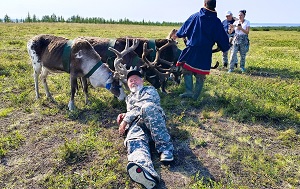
(240, 41)
(226, 25)
(202, 30)
(143, 122)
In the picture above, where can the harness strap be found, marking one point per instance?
(111, 55)
(135, 61)
(93, 69)
(152, 45)
(66, 56)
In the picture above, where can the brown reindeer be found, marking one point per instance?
(165, 64)
(57, 54)
(168, 57)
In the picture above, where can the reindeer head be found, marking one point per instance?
(99, 73)
(114, 85)
(120, 69)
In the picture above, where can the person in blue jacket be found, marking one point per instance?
(202, 30)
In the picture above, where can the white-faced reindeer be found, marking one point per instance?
(57, 54)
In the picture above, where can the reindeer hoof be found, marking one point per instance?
(71, 106)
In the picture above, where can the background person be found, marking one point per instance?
(226, 25)
(202, 30)
(240, 41)
(144, 121)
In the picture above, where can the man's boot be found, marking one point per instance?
(188, 82)
(198, 86)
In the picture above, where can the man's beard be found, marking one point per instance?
(136, 88)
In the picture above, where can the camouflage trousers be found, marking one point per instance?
(240, 44)
(150, 126)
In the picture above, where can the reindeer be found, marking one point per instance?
(167, 60)
(78, 58)
(165, 65)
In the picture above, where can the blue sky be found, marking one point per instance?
(258, 11)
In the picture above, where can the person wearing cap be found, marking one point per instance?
(226, 25)
(240, 42)
(202, 29)
(144, 121)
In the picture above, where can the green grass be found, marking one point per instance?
(243, 132)
(10, 142)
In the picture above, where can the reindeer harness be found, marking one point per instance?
(66, 55)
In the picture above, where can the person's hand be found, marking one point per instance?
(230, 28)
(120, 118)
(239, 26)
(122, 128)
(174, 37)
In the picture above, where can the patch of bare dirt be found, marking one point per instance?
(26, 166)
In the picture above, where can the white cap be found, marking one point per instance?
(228, 13)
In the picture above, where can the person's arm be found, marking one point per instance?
(221, 37)
(122, 123)
(122, 128)
(246, 31)
(230, 29)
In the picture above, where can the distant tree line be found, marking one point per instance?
(98, 20)
(79, 19)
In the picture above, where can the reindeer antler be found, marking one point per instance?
(154, 65)
(157, 56)
(120, 69)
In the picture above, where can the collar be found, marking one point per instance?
(210, 10)
(93, 69)
(207, 12)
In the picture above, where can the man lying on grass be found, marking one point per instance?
(143, 122)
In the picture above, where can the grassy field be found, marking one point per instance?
(242, 133)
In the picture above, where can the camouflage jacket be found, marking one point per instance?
(135, 101)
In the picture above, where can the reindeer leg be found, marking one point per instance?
(73, 81)
(36, 65)
(36, 73)
(163, 87)
(85, 89)
(162, 80)
(44, 75)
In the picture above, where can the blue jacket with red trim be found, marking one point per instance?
(202, 29)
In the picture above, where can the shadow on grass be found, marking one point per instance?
(234, 107)
(99, 111)
(273, 73)
(185, 165)
(267, 72)
(188, 164)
